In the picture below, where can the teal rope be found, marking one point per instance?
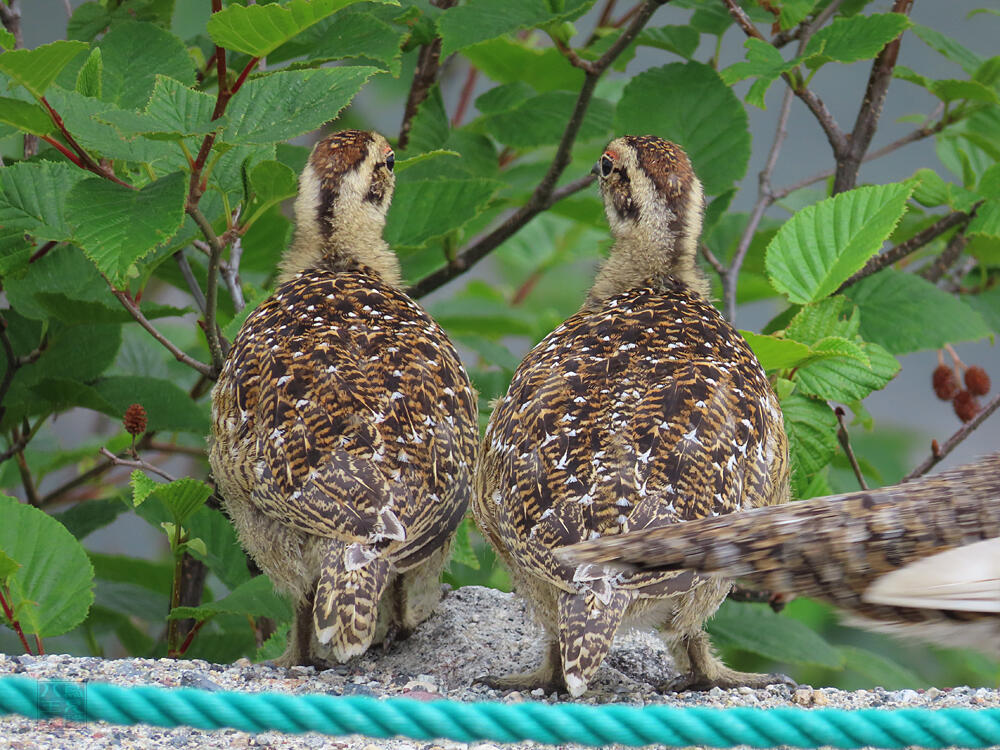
(499, 722)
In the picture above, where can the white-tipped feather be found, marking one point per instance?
(965, 578)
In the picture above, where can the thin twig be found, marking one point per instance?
(764, 200)
(10, 17)
(136, 464)
(189, 278)
(126, 300)
(951, 253)
(900, 251)
(790, 35)
(953, 442)
(714, 262)
(85, 159)
(545, 192)
(849, 160)
(465, 96)
(845, 442)
(215, 340)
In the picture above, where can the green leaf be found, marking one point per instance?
(168, 406)
(53, 589)
(931, 190)
(85, 119)
(256, 598)
(949, 48)
(182, 497)
(89, 81)
(794, 12)
(775, 353)
(882, 671)
(986, 222)
(7, 40)
(949, 90)
(816, 250)
(856, 38)
(905, 313)
(424, 209)
(271, 182)
(763, 61)
(8, 566)
(127, 50)
(847, 378)
(430, 127)
(689, 104)
(504, 60)
(274, 646)
(540, 121)
(755, 628)
(116, 226)
(681, 40)
(479, 20)
(142, 487)
(31, 199)
(223, 553)
(88, 516)
(834, 316)
(282, 105)
(174, 111)
(366, 34)
(25, 116)
(258, 30)
(36, 69)
(811, 427)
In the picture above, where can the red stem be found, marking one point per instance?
(190, 637)
(9, 614)
(86, 160)
(465, 97)
(63, 150)
(243, 75)
(38, 644)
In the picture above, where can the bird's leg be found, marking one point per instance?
(548, 676)
(297, 652)
(706, 670)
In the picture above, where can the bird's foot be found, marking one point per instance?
(724, 679)
(524, 682)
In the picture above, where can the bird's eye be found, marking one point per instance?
(606, 165)
(390, 161)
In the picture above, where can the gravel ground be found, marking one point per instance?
(475, 631)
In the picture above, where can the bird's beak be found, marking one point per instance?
(596, 169)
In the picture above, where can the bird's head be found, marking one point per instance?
(654, 204)
(344, 194)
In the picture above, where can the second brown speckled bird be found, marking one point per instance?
(645, 408)
(344, 426)
(920, 559)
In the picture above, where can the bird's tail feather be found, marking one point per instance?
(587, 627)
(348, 591)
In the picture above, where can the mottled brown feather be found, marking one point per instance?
(344, 425)
(644, 409)
(835, 548)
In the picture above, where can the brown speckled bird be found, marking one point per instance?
(344, 426)
(645, 408)
(920, 559)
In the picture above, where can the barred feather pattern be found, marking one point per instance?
(643, 412)
(837, 548)
(344, 435)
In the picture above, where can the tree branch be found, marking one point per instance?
(138, 463)
(127, 302)
(954, 441)
(216, 342)
(947, 258)
(849, 161)
(428, 65)
(542, 197)
(836, 137)
(900, 251)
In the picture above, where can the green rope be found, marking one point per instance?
(500, 722)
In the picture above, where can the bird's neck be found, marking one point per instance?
(347, 244)
(639, 256)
